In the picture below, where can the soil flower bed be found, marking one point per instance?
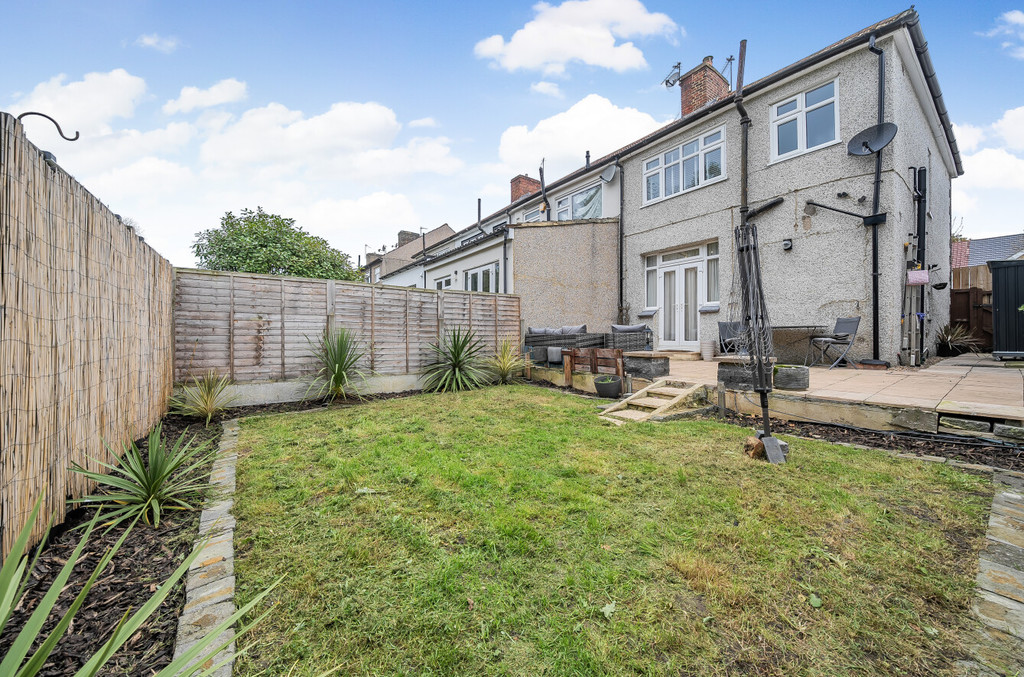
(509, 531)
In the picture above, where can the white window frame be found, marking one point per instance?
(495, 271)
(676, 157)
(442, 283)
(532, 215)
(799, 113)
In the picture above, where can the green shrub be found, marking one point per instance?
(957, 338)
(507, 364)
(338, 351)
(14, 577)
(205, 398)
(166, 480)
(456, 363)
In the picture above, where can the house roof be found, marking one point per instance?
(399, 257)
(960, 250)
(908, 19)
(1002, 248)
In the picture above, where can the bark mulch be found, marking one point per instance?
(148, 557)
(957, 448)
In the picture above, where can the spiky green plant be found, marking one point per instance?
(338, 350)
(456, 363)
(146, 487)
(957, 338)
(204, 398)
(507, 364)
(14, 577)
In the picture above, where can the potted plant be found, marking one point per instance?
(955, 339)
(608, 385)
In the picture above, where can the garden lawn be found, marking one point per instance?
(509, 531)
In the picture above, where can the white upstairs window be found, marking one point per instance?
(804, 122)
(688, 166)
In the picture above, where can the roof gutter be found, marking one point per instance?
(921, 47)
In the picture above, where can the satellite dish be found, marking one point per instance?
(872, 139)
(609, 173)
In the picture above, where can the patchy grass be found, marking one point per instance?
(516, 534)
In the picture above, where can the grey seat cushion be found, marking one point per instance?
(628, 328)
(574, 329)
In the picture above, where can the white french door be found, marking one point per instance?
(678, 297)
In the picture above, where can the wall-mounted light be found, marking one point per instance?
(787, 245)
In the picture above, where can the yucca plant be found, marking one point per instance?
(456, 363)
(144, 488)
(956, 339)
(507, 364)
(13, 580)
(338, 350)
(204, 398)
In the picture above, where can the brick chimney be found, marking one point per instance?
(701, 86)
(407, 236)
(524, 185)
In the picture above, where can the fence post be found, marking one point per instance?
(283, 371)
(406, 331)
(495, 323)
(373, 339)
(231, 328)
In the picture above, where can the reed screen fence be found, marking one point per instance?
(260, 327)
(86, 352)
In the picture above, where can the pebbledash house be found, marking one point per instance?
(645, 234)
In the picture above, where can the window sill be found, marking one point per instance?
(717, 179)
(709, 308)
(779, 160)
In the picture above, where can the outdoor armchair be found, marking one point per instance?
(840, 340)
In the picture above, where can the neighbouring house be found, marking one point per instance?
(409, 244)
(645, 234)
(971, 257)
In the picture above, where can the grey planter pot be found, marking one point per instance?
(609, 389)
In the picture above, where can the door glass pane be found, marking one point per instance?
(485, 284)
(672, 179)
(821, 125)
(690, 304)
(787, 137)
(713, 164)
(668, 327)
(690, 172)
(652, 288)
(712, 269)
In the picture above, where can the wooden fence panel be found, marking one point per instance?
(85, 334)
(259, 327)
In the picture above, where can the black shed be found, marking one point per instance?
(1007, 312)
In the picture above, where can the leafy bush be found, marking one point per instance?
(144, 489)
(507, 363)
(14, 577)
(205, 398)
(338, 351)
(456, 363)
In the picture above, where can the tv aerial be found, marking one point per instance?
(872, 139)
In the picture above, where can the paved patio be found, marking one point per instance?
(970, 385)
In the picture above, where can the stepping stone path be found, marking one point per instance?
(998, 648)
(210, 586)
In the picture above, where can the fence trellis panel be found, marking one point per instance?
(85, 334)
(258, 327)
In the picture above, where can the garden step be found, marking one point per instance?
(630, 414)
(649, 402)
(667, 391)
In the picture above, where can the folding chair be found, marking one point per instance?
(730, 336)
(842, 337)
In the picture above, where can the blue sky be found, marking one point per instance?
(360, 119)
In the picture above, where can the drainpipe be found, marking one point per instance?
(622, 245)
(874, 204)
(504, 252)
(921, 197)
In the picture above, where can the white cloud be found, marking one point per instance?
(423, 122)
(968, 137)
(593, 123)
(88, 105)
(350, 141)
(191, 98)
(988, 196)
(1011, 128)
(158, 42)
(547, 89)
(587, 31)
(1010, 25)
